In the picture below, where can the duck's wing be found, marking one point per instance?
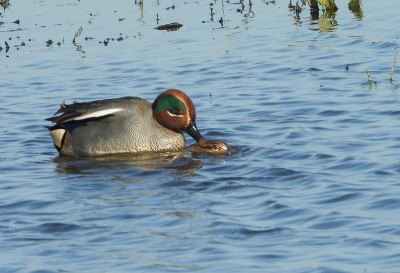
(90, 111)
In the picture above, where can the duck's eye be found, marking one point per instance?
(216, 147)
(178, 113)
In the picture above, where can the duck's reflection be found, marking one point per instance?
(142, 161)
(180, 162)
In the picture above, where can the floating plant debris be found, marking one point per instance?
(171, 26)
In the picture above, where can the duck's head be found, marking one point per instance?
(210, 146)
(174, 110)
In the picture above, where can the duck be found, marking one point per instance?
(212, 146)
(124, 125)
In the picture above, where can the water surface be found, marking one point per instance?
(313, 188)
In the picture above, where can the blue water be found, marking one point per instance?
(314, 186)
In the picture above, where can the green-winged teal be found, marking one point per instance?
(210, 146)
(124, 125)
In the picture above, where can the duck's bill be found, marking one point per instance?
(191, 129)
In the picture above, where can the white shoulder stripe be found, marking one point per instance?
(97, 114)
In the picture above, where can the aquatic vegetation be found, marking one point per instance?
(369, 75)
(354, 4)
(5, 4)
(394, 64)
(355, 7)
(77, 34)
(329, 9)
(328, 5)
(313, 4)
(391, 74)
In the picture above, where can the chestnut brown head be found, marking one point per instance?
(175, 111)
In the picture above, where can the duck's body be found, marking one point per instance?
(124, 125)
